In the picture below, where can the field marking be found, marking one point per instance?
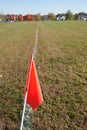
(36, 42)
(27, 107)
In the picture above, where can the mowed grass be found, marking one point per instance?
(16, 44)
(61, 62)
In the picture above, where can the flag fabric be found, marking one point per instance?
(34, 94)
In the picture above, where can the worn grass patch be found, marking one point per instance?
(61, 62)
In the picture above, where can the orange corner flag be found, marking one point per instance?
(34, 95)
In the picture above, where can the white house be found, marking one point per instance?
(61, 18)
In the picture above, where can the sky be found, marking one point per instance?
(42, 6)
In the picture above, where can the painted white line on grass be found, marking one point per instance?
(27, 110)
(36, 42)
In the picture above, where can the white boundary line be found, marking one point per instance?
(36, 42)
(34, 54)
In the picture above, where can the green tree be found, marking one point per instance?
(2, 16)
(76, 16)
(69, 15)
(37, 17)
(51, 16)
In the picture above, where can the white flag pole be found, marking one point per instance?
(22, 120)
(25, 100)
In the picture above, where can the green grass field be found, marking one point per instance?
(61, 62)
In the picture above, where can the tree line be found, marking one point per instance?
(20, 17)
(50, 16)
(70, 16)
